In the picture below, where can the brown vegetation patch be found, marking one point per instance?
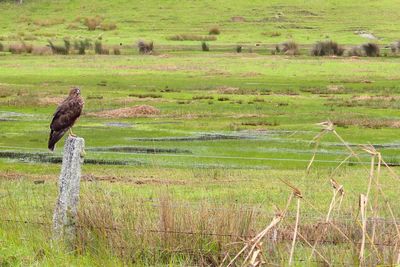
(379, 102)
(191, 37)
(42, 51)
(129, 112)
(239, 91)
(330, 89)
(108, 26)
(367, 123)
(50, 100)
(228, 90)
(250, 74)
(37, 178)
(92, 22)
(214, 31)
(48, 22)
(238, 19)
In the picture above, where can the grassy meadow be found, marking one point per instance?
(191, 182)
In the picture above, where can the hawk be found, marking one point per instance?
(65, 116)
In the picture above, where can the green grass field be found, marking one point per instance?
(230, 127)
(304, 22)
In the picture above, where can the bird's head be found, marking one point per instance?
(75, 91)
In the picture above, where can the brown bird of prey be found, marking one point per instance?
(65, 116)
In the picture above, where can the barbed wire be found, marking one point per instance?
(241, 237)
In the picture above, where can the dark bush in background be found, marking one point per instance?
(371, 49)
(99, 49)
(145, 48)
(327, 48)
(60, 49)
(205, 47)
(287, 48)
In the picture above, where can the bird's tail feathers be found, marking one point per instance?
(54, 137)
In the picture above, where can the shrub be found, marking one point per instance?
(288, 48)
(81, 47)
(395, 47)
(116, 51)
(60, 49)
(327, 48)
(145, 48)
(214, 31)
(191, 37)
(105, 51)
(239, 49)
(93, 22)
(98, 47)
(73, 26)
(16, 49)
(205, 47)
(27, 47)
(371, 49)
(108, 26)
(355, 51)
(41, 51)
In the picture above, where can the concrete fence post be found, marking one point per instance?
(65, 212)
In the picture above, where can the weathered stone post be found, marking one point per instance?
(65, 212)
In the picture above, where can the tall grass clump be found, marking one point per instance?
(395, 47)
(204, 46)
(82, 45)
(99, 49)
(145, 47)
(355, 51)
(92, 23)
(156, 232)
(214, 31)
(366, 50)
(288, 48)
(116, 50)
(327, 48)
(20, 48)
(371, 49)
(16, 49)
(60, 49)
(27, 47)
(108, 26)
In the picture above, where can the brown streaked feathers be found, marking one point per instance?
(65, 116)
